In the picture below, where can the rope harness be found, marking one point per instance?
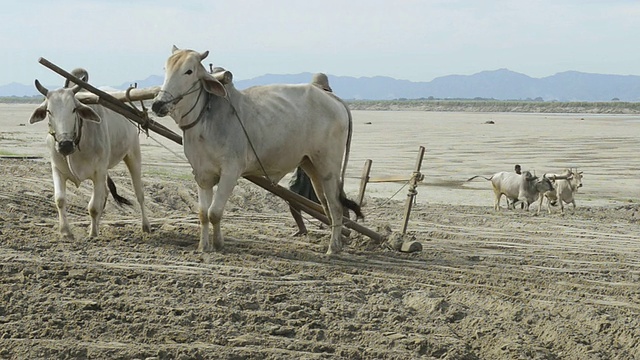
(77, 127)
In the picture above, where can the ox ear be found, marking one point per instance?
(39, 113)
(87, 113)
(213, 86)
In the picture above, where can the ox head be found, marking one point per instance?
(572, 175)
(576, 178)
(65, 114)
(544, 185)
(185, 77)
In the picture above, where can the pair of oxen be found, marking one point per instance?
(227, 134)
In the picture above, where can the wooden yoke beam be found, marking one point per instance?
(315, 207)
(110, 102)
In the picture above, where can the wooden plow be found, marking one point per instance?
(416, 177)
(116, 102)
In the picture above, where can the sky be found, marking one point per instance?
(121, 41)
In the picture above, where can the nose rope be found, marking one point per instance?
(177, 99)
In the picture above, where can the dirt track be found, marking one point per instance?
(487, 285)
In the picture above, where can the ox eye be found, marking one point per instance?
(188, 72)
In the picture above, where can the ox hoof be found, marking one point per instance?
(67, 236)
(205, 249)
(334, 250)
(209, 248)
(146, 228)
(299, 233)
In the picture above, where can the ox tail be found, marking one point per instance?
(351, 205)
(477, 176)
(348, 147)
(112, 188)
(349, 135)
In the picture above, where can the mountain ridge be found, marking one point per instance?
(499, 84)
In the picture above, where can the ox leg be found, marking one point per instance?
(97, 202)
(330, 200)
(60, 195)
(332, 193)
(205, 196)
(223, 192)
(496, 201)
(328, 191)
(133, 164)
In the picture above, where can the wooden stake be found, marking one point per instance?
(413, 183)
(364, 179)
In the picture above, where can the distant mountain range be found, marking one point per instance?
(502, 84)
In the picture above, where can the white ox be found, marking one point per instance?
(567, 184)
(261, 131)
(524, 188)
(84, 142)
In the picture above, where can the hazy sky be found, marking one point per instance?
(120, 41)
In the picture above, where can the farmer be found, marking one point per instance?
(301, 183)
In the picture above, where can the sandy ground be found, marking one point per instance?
(487, 285)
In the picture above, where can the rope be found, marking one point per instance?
(166, 147)
(392, 196)
(249, 140)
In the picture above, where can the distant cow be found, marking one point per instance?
(525, 188)
(261, 131)
(549, 195)
(567, 184)
(84, 142)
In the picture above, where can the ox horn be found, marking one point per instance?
(80, 73)
(43, 90)
(224, 76)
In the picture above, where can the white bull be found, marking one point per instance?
(261, 131)
(524, 188)
(566, 185)
(84, 142)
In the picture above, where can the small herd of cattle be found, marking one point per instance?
(526, 188)
(227, 134)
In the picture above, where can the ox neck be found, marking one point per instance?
(187, 120)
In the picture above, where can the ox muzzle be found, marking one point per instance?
(65, 147)
(160, 108)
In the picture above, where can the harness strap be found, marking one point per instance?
(79, 132)
(246, 134)
(200, 116)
